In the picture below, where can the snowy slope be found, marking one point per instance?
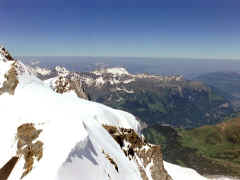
(69, 124)
(75, 144)
(64, 130)
(180, 173)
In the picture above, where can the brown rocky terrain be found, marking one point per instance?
(11, 77)
(6, 170)
(26, 134)
(66, 81)
(147, 156)
(30, 150)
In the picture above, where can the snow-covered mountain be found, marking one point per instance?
(61, 136)
(153, 98)
(98, 78)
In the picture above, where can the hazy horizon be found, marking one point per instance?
(164, 66)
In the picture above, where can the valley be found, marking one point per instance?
(210, 150)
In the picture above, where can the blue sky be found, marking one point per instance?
(141, 28)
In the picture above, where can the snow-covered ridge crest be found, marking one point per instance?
(71, 132)
(72, 139)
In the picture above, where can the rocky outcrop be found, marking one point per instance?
(6, 170)
(26, 147)
(6, 54)
(147, 156)
(30, 150)
(66, 81)
(65, 84)
(10, 81)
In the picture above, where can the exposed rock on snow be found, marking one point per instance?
(111, 160)
(148, 157)
(26, 134)
(6, 170)
(66, 82)
(10, 82)
(8, 74)
(4, 53)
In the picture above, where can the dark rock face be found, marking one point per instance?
(111, 160)
(6, 170)
(144, 154)
(6, 54)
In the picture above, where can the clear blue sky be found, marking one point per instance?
(142, 28)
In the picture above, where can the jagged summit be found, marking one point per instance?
(4, 54)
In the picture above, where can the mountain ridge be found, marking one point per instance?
(55, 142)
(155, 98)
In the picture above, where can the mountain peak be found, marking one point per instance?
(8, 75)
(114, 71)
(61, 71)
(5, 55)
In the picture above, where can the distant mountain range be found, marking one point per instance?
(189, 68)
(155, 99)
